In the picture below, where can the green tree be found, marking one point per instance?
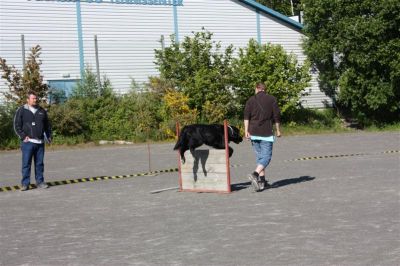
(283, 76)
(89, 87)
(198, 68)
(356, 48)
(30, 80)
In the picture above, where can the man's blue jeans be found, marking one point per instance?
(36, 151)
(263, 150)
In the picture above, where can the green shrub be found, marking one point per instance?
(8, 138)
(89, 87)
(67, 119)
(199, 68)
(284, 77)
(134, 117)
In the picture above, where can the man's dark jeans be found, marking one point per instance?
(36, 151)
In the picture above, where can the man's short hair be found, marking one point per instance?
(30, 93)
(260, 86)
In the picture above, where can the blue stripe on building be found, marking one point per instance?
(176, 23)
(80, 37)
(258, 27)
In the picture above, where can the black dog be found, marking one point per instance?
(193, 136)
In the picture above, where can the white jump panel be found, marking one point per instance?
(206, 171)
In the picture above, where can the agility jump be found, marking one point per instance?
(205, 170)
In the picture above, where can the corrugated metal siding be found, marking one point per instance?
(315, 98)
(229, 21)
(51, 25)
(128, 34)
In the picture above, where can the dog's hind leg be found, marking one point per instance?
(182, 151)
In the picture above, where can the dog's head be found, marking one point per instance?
(234, 134)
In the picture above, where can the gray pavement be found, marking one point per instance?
(335, 211)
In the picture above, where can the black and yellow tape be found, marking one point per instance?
(98, 178)
(325, 157)
(89, 179)
(392, 151)
(339, 156)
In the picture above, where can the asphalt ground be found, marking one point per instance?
(335, 200)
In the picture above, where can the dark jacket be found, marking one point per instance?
(32, 125)
(261, 110)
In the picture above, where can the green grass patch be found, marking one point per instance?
(290, 129)
(384, 127)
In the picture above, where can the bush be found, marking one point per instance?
(67, 119)
(8, 138)
(134, 116)
(284, 77)
(175, 108)
(198, 68)
(89, 86)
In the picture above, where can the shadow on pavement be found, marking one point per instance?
(290, 181)
(277, 184)
(240, 186)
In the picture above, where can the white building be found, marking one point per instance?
(128, 31)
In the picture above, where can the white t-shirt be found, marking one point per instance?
(37, 141)
(32, 109)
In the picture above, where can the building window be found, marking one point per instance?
(60, 90)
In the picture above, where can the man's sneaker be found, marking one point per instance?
(254, 182)
(24, 188)
(43, 185)
(261, 184)
(264, 185)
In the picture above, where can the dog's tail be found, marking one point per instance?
(181, 137)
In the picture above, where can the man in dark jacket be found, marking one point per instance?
(32, 126)
(260, 112)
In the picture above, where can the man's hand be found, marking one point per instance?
(247, 135)
(278, 130)
(246, 129)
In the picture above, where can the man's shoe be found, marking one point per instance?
(43, 185)
(264, 185)
(254, 182)
(24, 188)
(261, 184)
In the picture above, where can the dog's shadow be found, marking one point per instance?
(200, 156)
(277, 184)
